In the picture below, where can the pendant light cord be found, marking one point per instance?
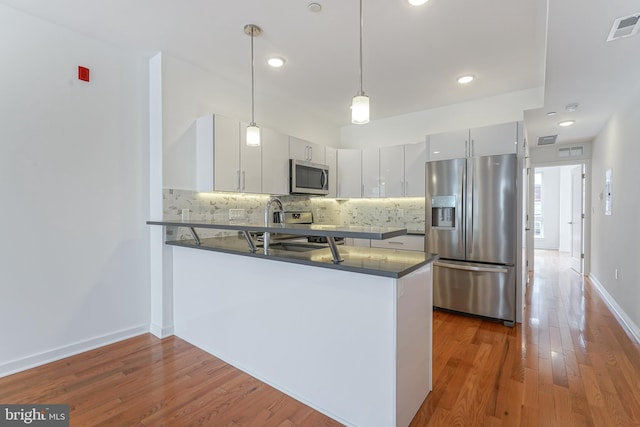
(361, 91)
(252, 84)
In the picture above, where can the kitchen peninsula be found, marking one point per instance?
(350, 337)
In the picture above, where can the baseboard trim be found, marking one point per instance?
(161, 332)
(39, 359)
(615, 308)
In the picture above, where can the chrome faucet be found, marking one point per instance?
(267, 209)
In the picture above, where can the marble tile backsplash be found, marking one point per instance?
(394, 212)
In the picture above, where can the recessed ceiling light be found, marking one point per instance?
(275, 62)
(417, 2)
(314, 7)
(468, 78)
(551, 113)
(566, 123)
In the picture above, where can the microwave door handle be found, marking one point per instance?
(325, 180)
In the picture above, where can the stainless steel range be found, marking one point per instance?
(300, 217)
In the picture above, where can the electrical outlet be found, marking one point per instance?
(400, 213)
(236, 213)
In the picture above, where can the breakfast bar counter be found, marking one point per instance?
(350, 339)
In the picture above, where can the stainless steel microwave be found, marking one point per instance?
(308, 178)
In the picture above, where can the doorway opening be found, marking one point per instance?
(557, 197)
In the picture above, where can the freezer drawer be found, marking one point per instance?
(481, 289)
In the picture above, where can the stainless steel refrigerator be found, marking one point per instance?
(470, 215)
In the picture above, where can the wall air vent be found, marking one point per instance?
(624, 27)
(547, 140)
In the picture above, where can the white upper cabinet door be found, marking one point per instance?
(217, 154)
(331, 160)
(275, 162)
(349, 173)
(449, 145)
(392, 171)
(371, 172)
(496, 139)
(415, 157)
(250, 164)
(300, 149)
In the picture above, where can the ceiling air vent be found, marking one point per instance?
(624, 27)
(547, 140)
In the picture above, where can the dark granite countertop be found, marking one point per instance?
(378, 262)
(375, 233)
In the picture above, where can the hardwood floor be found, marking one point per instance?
(568, 364)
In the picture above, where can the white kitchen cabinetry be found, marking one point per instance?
(349, 173)
(448, 145)
(475, 142)
(275, 162)
(300, 149)
(407, 242)
(371, 172)
(223, 160)
(250, 164)
(362, 243)
(491, 140)
(392, 171)
(331, 160)
(217, 154)
(415, 157)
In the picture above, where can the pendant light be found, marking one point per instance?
(360, 104)
(253, 131)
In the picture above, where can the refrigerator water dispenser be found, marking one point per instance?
(443, 211)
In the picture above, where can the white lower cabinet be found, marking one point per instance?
(362, 243)
(407, 242)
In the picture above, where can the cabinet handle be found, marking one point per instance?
(472, 147)
(306, 152)
(402, 188)
(406, 188)
(237, 180)
(244, 180)
(310, 153)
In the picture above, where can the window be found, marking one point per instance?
(538, 225)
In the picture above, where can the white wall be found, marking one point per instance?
(74, 186)
(190, 92)
(616, 238)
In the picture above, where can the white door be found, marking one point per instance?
(275, 162)
(577, 220)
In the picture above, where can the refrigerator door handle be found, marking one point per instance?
(471, 201)
(484, 269)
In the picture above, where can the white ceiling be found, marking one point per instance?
(412, 55)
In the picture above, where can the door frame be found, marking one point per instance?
(586, 237)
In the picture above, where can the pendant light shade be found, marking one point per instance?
(253, 135)
(253, 131)
(360, 109)
(360, 103)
